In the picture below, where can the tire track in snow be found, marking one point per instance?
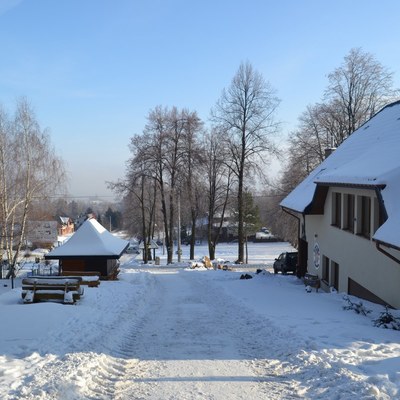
(198, 344)
(255, 338)
(187, 339)
(98, 373)
(112, 377)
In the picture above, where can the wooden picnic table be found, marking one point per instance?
(65, 289)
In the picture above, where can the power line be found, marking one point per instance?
(63, 196)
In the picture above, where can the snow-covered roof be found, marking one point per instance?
(91, 239)
(369, 157)
(64, 220)
(152, 245)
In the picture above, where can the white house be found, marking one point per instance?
(349, 213)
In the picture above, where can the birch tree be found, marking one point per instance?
(29, 171)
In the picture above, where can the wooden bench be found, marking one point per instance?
(312, 281)
(68, 290)
(88, 278)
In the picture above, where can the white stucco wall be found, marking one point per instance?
(357, 256)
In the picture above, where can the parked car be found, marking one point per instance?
(286, 262)
(264, 235)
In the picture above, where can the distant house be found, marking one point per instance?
(349, 213)
(91, 248)
(65, 226)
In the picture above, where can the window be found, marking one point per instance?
(325, 269)
(361, 215)
(335, 275)
(330, 272)
(336, 209)
(349, 213)
(365, 216)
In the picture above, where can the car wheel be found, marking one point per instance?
(284, 272)
(275, 271)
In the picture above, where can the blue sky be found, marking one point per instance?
(93, 69)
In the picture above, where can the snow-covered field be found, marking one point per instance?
(175, 333)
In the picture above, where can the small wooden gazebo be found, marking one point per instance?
(150, 246)
(92, 248)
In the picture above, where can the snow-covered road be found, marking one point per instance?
(194, 343)
(182, 339)
(194, 334)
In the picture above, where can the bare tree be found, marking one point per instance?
(139, 189)
(219, 179)
(246, 112)
(6, 174)
(33, 172)
(173, 156)
(159, 155)
(358, 89)
(154, 155)
(192, 160)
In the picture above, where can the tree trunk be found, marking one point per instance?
(193, 236)
(170, 244)
(240, 203)
(240, 225)
(144, 233)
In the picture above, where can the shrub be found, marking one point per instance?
(387, 320)
(357, 307)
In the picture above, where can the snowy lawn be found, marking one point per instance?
(174, 333)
